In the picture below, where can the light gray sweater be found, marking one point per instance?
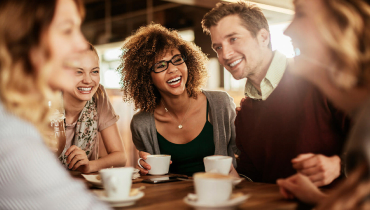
(222, 117)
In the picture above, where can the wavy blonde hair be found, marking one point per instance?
(139, 53)
(24, 90)
(99, 91)
(345, 27)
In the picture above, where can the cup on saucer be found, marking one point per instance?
(231, 204)
(117, 182)
(212, 188)
(218, 164)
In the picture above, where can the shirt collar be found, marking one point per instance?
(269, 83)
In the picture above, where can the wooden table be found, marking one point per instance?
(170, 196)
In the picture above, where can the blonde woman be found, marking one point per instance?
(37, 39)
(333, 45)
(90, 118)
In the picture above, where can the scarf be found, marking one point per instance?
(86, 133)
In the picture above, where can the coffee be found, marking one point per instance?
(213, 176)
(159, 155)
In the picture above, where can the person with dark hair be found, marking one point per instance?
(38, 39)
(285, 124)
(163, 75)
(90, 118)
(333, 39)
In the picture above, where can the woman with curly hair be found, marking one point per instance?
(163, 75)
(333, 45)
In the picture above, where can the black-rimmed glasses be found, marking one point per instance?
(163, 65)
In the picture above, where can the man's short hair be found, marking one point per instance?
(252, 17)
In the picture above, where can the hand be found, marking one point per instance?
(321, 170)
(143, 171)
(299, 186)
(77, 159)
(233, 172)
(237, 109)
(352, 193)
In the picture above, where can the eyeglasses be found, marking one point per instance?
(163, 65)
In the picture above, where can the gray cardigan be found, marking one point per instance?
(222, 116)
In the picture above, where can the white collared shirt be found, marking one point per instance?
(271, 80)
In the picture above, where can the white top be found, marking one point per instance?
(31, 177)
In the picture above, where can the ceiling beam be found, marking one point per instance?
(200, 3)
(132, 14)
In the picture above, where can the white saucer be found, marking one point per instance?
(121, 202)
(191, 200)
(237, 181)
(93, 178)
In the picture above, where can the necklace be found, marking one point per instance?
(180, 123)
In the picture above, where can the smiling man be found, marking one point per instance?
(285, 124)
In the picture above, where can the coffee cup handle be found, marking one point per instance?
(138, 162)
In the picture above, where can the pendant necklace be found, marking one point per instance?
(180, 123)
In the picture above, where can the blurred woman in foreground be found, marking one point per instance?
(37, 39)
(332, 41)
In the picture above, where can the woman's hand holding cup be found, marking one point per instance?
(145, 166)
(159, 162)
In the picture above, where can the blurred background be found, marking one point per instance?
(109, 22)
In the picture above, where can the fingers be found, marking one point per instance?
(302, 157)
(286, 187)
(143, 154)
(76, 159)
(285, 193)
(238, 109)
(306, 163)
(318, 179)
(145, 165)
(311, 171)
(241, 101)
(74, 153)
(80, 163)
(70, 149)
(142, 171)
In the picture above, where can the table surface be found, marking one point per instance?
(170, 195)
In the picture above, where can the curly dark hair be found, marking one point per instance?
(139, 53)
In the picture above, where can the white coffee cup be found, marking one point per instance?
(212, 188)
(218, 164)
(160, 164)
(117, 181)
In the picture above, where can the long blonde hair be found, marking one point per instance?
(24, 90)
(345, 27)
